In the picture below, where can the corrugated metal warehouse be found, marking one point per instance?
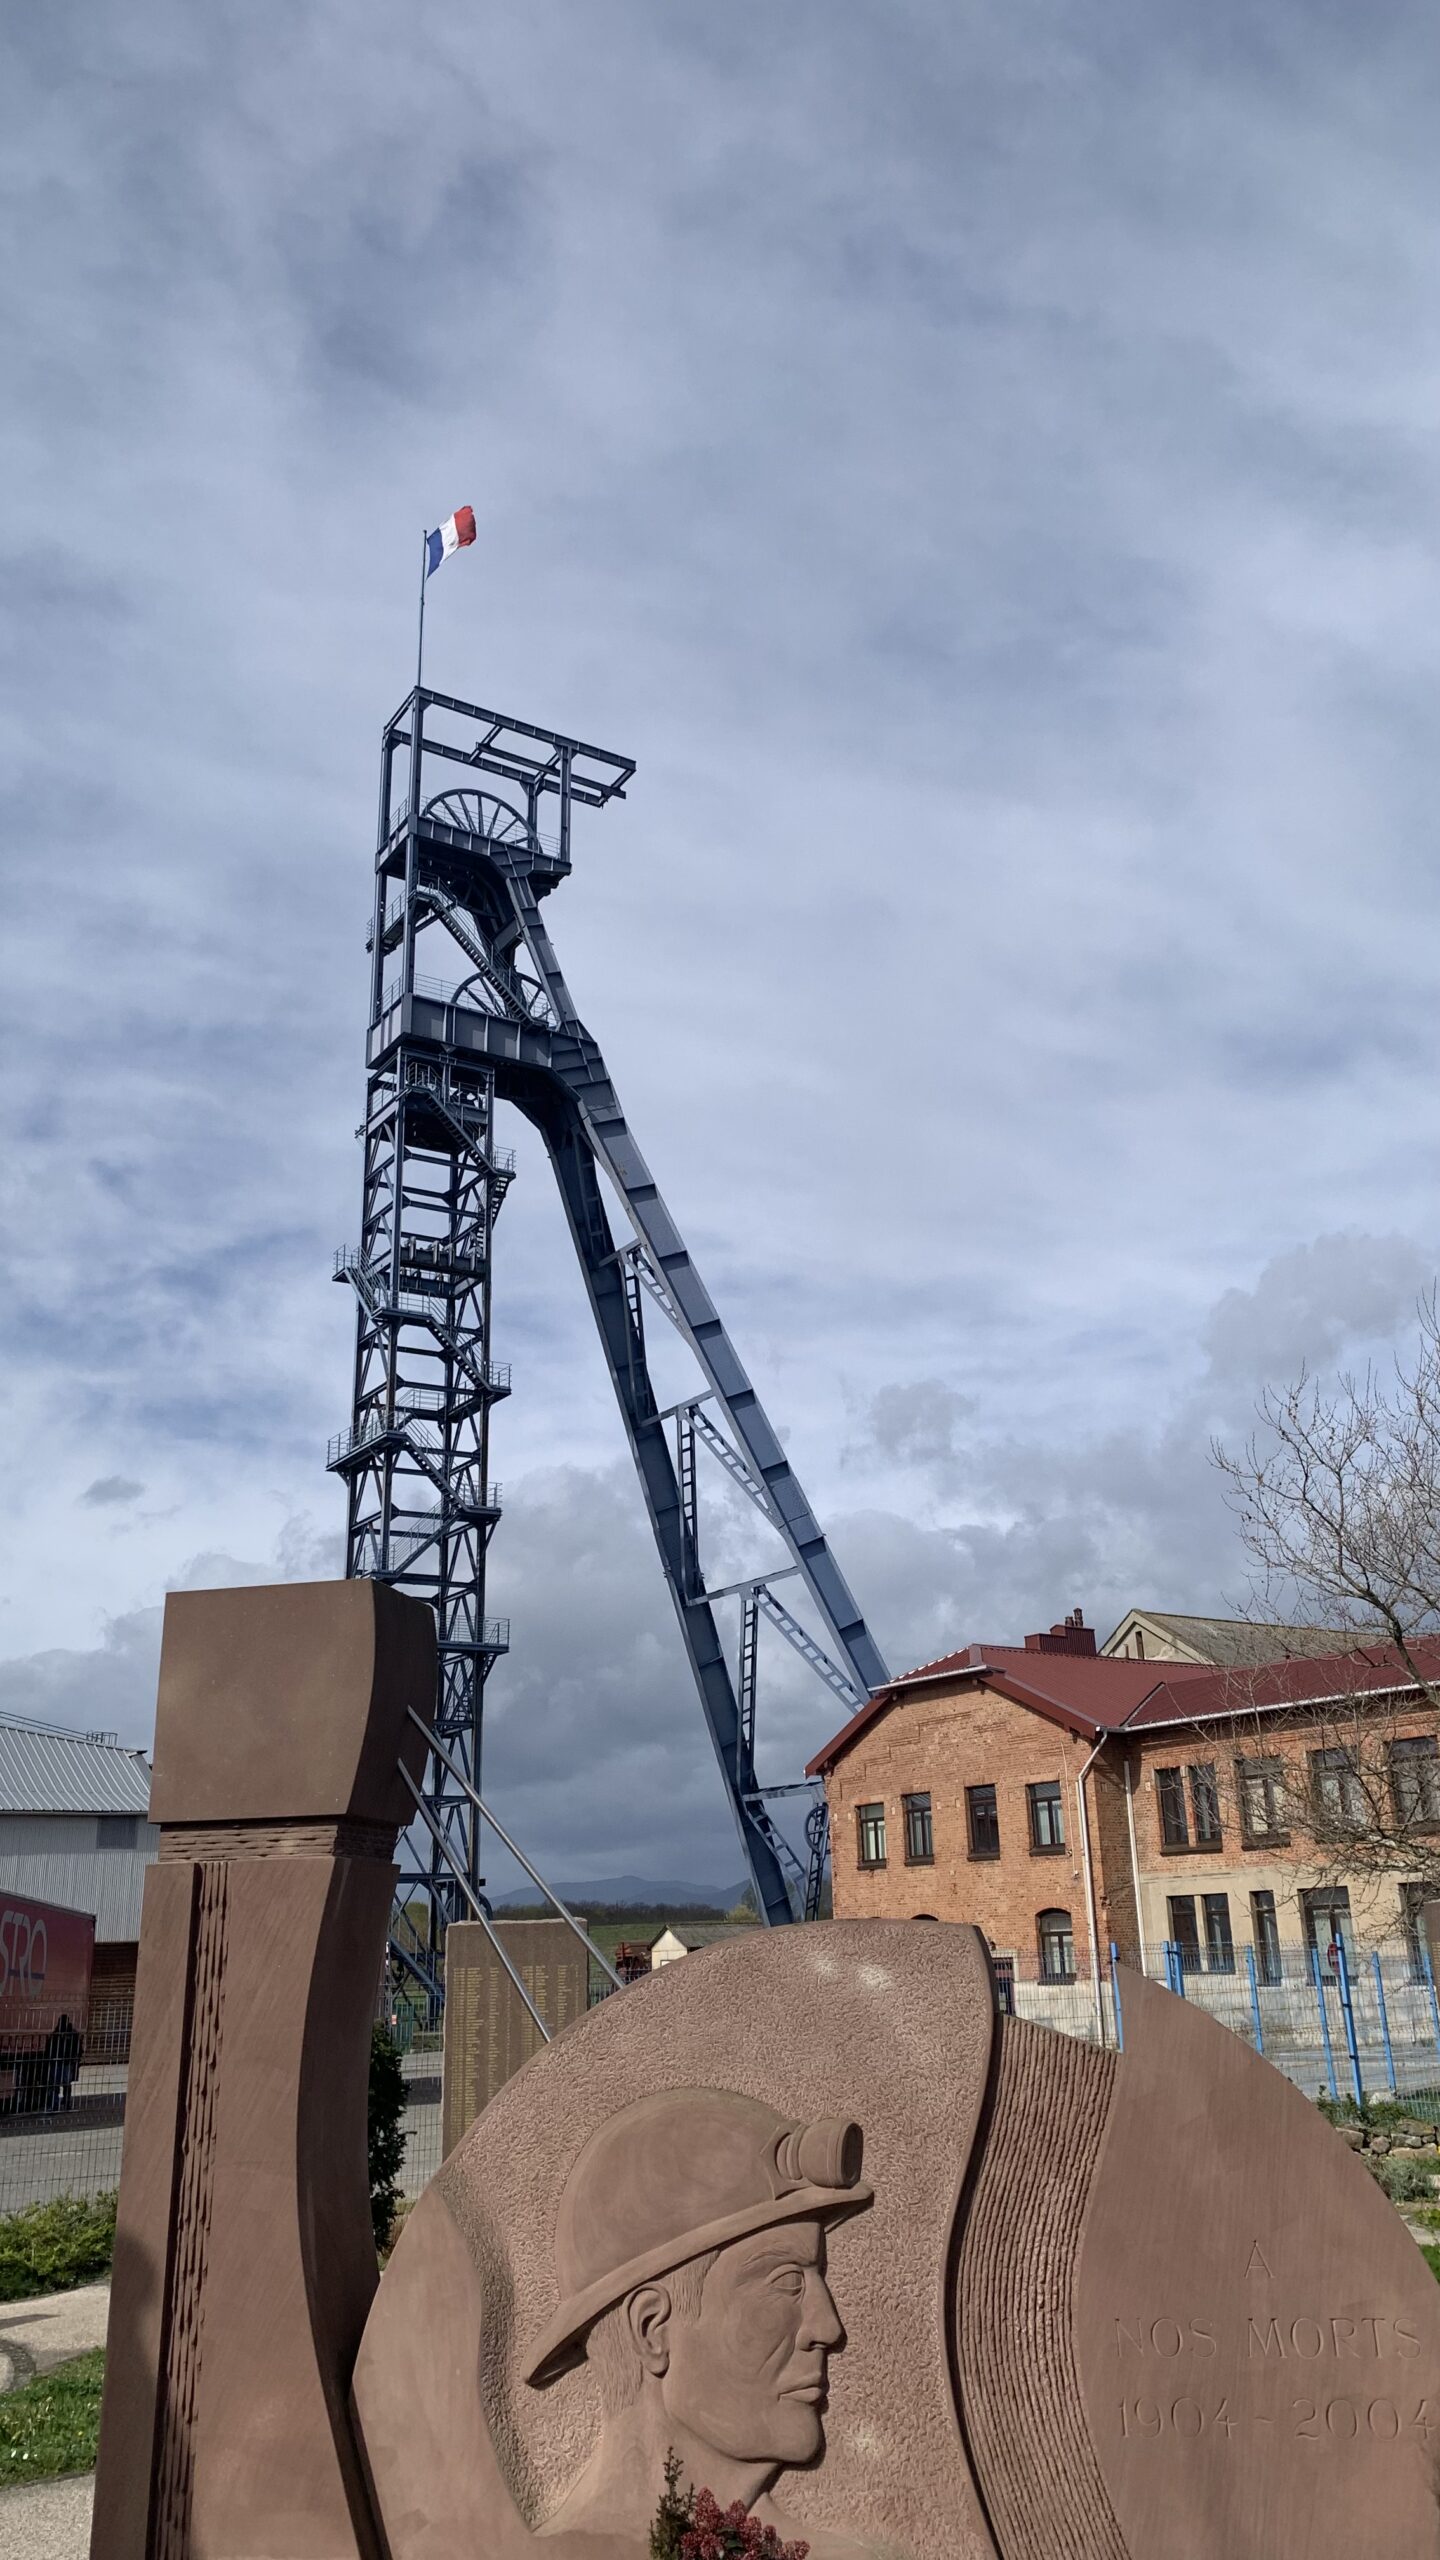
(75, 1829)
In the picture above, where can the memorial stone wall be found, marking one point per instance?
(489, 2033)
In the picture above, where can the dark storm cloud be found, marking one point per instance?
(983, 466)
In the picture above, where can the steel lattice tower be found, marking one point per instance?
(466, 867)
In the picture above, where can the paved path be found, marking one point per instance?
(50, 2521)
(36, 2335)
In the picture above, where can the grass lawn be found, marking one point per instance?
(51, 2424)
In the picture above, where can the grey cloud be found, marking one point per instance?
(984, 468)
(107, 1489)
(110, 1685)
(918, 1422)
(1314, 1304)
(1027, 1523)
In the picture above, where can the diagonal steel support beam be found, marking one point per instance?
(578, 1064)
(517, 1853)
(606, 1276)
(478, 1911)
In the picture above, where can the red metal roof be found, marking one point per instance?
(1269, 1686)
(1102, 1690)
(1097, 1694)
(1090, 1693)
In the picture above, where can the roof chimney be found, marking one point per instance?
(1071, 1636)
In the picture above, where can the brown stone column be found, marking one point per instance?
(244, 2260)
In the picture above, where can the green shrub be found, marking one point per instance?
(1388, 2115)
(1405, 2179)
(1431, 2256)
(387, 2132)
(48, 2248)
(51, 2424)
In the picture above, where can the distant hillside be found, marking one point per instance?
(633, 1893)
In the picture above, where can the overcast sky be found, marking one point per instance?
(983, 464)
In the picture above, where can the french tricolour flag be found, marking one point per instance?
(454, 534)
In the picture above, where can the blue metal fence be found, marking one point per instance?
(1337, 2023)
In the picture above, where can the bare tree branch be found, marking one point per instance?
(1337, 1500)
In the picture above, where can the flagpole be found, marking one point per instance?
(420, 645)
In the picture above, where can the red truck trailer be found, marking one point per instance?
(46, 1957)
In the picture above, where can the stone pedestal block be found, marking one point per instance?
(244, 2259)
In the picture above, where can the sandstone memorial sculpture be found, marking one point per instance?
(244, 2258)
(805, 2219)
(908, 2278)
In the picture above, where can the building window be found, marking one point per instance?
(1260, 1785)
(919, 1831)
(1264, 1929)
(1219, 1945)
(1003, 1968)
(1170, 1790)
(117, 1830)
(982, 1822)
(1057, 1946)
(1047, 1817)
(1326, 1909)
(870, 1824)
(1415, 1781)
(1184, 1934)
(1139, 1643)
(1205, 1803)
(1184, 1931)
(1338, 1794)
(1413, 1898)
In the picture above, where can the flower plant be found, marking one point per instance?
(690, 2524)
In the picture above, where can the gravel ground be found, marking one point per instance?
(50, 2521)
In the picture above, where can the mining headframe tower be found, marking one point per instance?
(469, 1007)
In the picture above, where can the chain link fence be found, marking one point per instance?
(1341, 2024)
(62, 2111)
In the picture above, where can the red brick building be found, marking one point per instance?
(1064, 1799)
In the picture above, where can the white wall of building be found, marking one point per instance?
(81, 1861)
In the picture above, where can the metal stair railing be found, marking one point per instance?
(371, 1284)
(421, 1442)
(503, 981)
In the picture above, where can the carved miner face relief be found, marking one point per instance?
(690, 2259)
(747, 2375)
